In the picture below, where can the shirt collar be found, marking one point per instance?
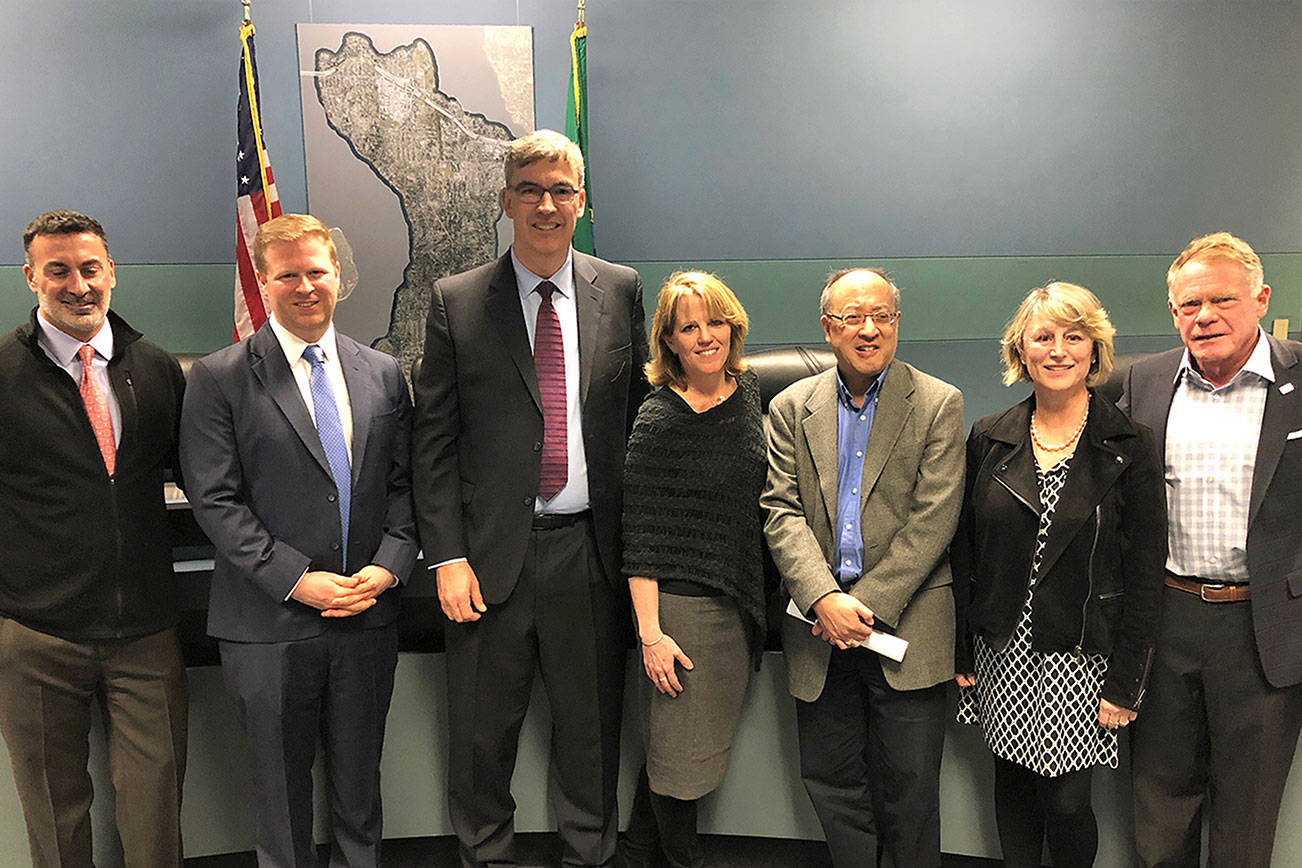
(527, 281)
(292, 345)
(63, 347)
(1258, 363)
(847, 400)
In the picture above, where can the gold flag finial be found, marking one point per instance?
(247, 17)
(582, 6)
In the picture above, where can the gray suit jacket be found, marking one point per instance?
(910, 499)
(477, 440)
(260, 486)
(1275, 505)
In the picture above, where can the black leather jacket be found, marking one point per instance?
(1100, 586)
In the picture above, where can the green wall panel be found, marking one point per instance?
(187, 308)
(965, 298)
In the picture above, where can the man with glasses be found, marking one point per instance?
(531, 375)
(863, 496)
(1220, 725)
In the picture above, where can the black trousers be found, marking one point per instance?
(870, 760)
(563, 619)
(335, 687)
(1213, 735)
(47, 688)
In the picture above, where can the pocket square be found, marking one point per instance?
(1294, 435)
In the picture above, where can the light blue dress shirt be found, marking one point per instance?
(853, 425)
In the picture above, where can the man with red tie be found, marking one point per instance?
(88, 422)
(531, 374)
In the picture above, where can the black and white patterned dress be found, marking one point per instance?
(1040, 709)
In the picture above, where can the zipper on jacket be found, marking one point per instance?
(1143, 679)
(1089, 575)
(1014, 493)
(117, 515)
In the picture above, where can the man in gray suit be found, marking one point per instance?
(296, 450)
(1221, 723)
(531, 374)
(865, 484)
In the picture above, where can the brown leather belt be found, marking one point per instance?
(1209, 592)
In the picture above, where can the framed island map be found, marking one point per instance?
(404, 128)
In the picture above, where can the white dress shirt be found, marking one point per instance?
(292, 345)
(63, 348)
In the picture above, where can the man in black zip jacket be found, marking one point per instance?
(88, 421)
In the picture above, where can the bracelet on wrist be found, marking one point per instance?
(657, 641)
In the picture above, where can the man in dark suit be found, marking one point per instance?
(296, 447)
(531, 373)
(1221, 723)
(88, 418)
(864, 490)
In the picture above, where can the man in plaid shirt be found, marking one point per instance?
(1221, 725)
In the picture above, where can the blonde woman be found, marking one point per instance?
(691, 525)
(1057, 576)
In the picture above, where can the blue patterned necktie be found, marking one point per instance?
(331, 432)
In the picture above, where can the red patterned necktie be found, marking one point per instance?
(97, 409)
(549, 365)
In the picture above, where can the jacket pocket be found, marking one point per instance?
(1294, 584)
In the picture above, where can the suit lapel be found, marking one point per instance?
(819, 428)
(894, 404)
(267, 361)
(507, 314)
(1281, 409)
(363, 391)
(1157, 394)
(588, 302)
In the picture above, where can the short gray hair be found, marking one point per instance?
(542, 145)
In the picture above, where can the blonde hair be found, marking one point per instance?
(289, 227)
(542, 145)
(664, 366)
(1064, 304)
(1218, 245)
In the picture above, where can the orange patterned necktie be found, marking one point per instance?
(97, 409)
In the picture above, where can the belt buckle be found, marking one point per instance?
(1205, 587)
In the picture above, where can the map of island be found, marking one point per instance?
(443, 162)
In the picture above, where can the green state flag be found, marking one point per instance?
(576, 127)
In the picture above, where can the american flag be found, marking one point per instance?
(258, 201)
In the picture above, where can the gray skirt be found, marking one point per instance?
(688, 737)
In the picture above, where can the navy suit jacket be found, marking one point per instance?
(260, 486)
(479, 426)
(1275, 507)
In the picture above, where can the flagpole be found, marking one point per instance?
(582, 5)
(247, 17)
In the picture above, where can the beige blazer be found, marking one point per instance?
(910, 498)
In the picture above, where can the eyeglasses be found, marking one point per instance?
(854, 320)
(532, 194)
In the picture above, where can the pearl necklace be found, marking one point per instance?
(1044, 447)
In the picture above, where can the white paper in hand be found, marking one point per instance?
(883, 643)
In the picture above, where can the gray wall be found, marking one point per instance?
(731, 129)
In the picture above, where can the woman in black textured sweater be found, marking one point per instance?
(692, 480)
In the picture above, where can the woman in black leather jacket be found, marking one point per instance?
(1057, 575)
